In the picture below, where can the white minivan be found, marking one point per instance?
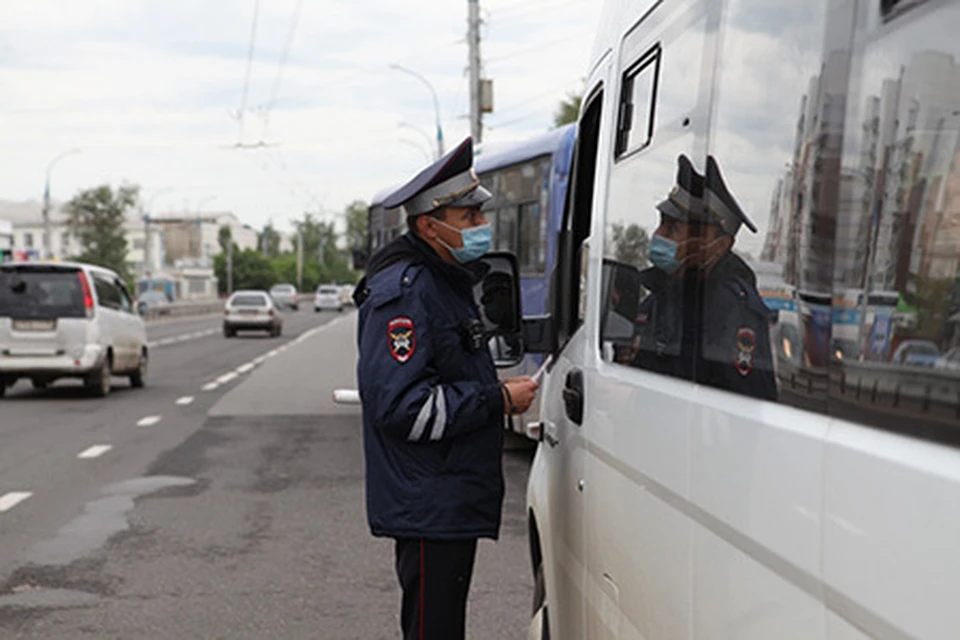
(667, 504)
(68, 320)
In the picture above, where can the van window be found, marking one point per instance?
(897, 228)
(40, 294)
(649, 311)
(637, 101)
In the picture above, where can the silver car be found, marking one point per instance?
(68, 320)
(327, 297)
(285, 295)
(251, 311)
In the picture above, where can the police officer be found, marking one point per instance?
(704, 319)
(433, 408)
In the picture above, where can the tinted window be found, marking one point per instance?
(248, 300)
(33, 294)
(328, 290)
(108, 294)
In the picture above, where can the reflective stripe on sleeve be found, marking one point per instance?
(423, 417)
(440, 421)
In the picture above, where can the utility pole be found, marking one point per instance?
(473, 42)
(47, 232)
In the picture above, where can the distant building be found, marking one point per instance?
(197, 236)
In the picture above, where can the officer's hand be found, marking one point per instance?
(522, 391)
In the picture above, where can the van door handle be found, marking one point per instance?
(573, 396)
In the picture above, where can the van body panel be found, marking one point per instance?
(832, 511)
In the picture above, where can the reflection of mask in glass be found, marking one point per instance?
(663, 254)
(476, 242)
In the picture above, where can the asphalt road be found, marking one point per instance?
(229, 503)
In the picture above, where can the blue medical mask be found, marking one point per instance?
(663, 254)
(476, 242)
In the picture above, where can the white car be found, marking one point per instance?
(327, 297)
(68, 320)
(252, 310)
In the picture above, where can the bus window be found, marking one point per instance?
(532, 257)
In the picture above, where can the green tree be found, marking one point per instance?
(356, 215)
(269, 241)
(224, 238)
(96, 218)
(631, 244)
(251, 270)
(568, 110)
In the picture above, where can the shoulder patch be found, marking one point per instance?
(401, 338)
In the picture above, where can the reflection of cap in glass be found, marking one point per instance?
(448, 182)
(722, 207)
(704, 198)
(685, 201)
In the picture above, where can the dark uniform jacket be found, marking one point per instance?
(432, 404)
(733, 351)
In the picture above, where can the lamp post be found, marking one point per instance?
(47, 236)
(436, 102)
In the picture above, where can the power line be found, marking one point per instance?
(544, 45)
(278, 79)
(246, 80)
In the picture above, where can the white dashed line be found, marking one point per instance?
(95, 451)
(149, 421)
(151, 345)
(272, 353)
(165, 341)
(210, 386)
(227, 377)
(259, 359)
(184, 401)
(245, 368)
(12, 499)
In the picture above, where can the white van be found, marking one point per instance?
(68, 320)
(663, 506)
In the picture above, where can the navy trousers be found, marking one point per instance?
(435, 578)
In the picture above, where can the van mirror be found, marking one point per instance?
(497, 295)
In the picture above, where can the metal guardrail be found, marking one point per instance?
(921, 389)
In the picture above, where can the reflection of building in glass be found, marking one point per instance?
(907, 157)
(802, 210)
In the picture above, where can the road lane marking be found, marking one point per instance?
(245, 368)
(166, 341)
(259, 359)
(210, 386)
(272, 353)
(149, 421)
(95, 451)
(227, 377)
(12, 499)
(184, 401)
(151, 344)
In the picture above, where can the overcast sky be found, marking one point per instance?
(150, 92)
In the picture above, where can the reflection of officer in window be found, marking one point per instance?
(694, 266)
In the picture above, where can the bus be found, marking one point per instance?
(528, 181)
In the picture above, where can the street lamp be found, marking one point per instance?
(47, 236)
(436, 103)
